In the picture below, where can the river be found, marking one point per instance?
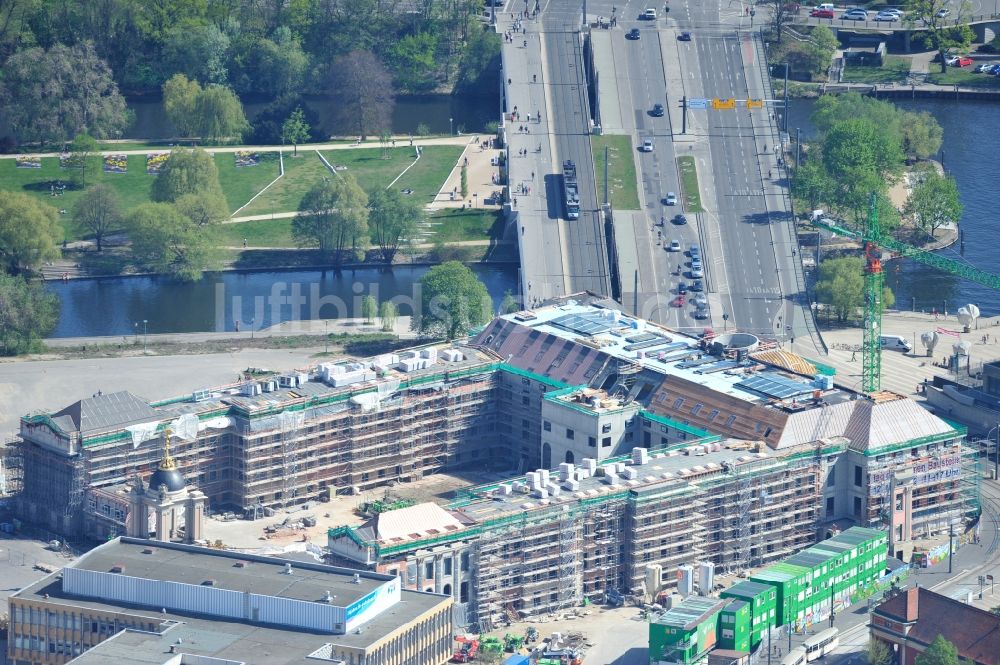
(971, 145)
(118, 306)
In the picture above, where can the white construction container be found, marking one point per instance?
(540, 493)
(654, 579)
(571, 485)
(640, 456)
(706, 577)
(566, 470)
(611, 478)
(590, 464)
(685, 580)
(533, 479)
(543, 475)
(630, 473)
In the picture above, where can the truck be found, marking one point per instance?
(512, 642)
(571, 190)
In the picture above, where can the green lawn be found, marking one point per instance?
(621, 170)
(258, 233)
(240, 184)
(132, 187)
(963, 76)
(301, 173)
(894, 69)
(689, 184)
(427, 176)
(455, 225)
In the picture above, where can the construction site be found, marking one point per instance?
(630, 450)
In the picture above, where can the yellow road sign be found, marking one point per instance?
(723, 104)
(755, 103)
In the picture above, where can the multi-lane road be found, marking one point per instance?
(751, 275)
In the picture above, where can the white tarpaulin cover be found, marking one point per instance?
(185, 427)
(289, 420)
(142, 432)
(221, 422)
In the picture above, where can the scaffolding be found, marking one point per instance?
(571, 583)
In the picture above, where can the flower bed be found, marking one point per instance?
(26, 162)
(116, 163)
(155, 161)
(246, 158)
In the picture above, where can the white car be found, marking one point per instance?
(670, 199)
(674, 246)
(649, 14)
(941, 13)
(883, 16)
(647, 145)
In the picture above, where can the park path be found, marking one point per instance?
(399, 141)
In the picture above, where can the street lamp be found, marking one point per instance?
(144, 334)
(251, 327)
(451, 126)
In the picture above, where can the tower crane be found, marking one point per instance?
(873, 242)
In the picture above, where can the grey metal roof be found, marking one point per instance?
(106, 412)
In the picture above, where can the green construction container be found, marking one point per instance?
(789, 581)
(763, 602)
(734, 626)
(685, 633)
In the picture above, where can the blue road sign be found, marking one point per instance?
(698, 103)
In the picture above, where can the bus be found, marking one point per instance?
(822, 644)
(571, 191)
(796, 656)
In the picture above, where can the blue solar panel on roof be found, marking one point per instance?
(774, 386)
(584, 324)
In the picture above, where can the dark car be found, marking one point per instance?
(696, 285)
(680, 219)
(684, 37)
(657, 111)
(632, 34)
(682, 288)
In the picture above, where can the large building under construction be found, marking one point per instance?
(632, 449)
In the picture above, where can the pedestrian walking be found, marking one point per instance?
(854, 356)
(532, 175)
(534, 78)
(525, 43)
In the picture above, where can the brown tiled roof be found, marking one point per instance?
(974, 632)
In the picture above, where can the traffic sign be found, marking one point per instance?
(700, 104)
(755, 103)
(723, 104)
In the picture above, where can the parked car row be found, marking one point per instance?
(826, 10)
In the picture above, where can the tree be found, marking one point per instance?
(52, 95)
(831, 109)
(333, 216)
(203, 209)
(877, 652)
(28, 232)
(165, 241)
(27, 314)
(940, 652)
(841, 285)
(84, 147)
(99, 211)
(412, 59)
(940, 32)
(180, 95)
(812, 183)
(295, 129)
(362, 91)
(452, 300)
(463, 180)
(509, 304)
(859, 144)
(479, 67)
(387, 313)
(934, 202)
(197, 51)
(821, 47)
(369, 308)
(394, 219)
(218, 114)
(782, 13)
(188, 171)
(922, 134)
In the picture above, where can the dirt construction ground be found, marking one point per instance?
(617, 636)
